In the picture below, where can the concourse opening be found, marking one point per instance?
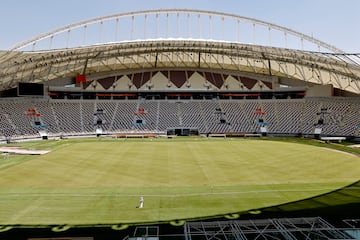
(182, 131)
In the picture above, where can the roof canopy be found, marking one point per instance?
(177, 41)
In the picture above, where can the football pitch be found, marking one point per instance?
(100, 181)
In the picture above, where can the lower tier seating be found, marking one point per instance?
(335, 116)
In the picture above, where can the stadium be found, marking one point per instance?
(179, 124)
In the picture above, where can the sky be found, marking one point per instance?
(336, 22)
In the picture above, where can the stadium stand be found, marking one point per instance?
(284, 117)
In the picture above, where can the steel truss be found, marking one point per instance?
(277, 229)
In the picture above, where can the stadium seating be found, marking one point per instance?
(284, 116)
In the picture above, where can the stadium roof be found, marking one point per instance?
(151, 51)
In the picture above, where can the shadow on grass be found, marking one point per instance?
(340, 203)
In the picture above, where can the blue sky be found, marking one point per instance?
(336, 22)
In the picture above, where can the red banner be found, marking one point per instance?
(80, 78)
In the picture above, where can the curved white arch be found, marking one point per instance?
(85, 23)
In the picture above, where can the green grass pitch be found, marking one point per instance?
(100, 181)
